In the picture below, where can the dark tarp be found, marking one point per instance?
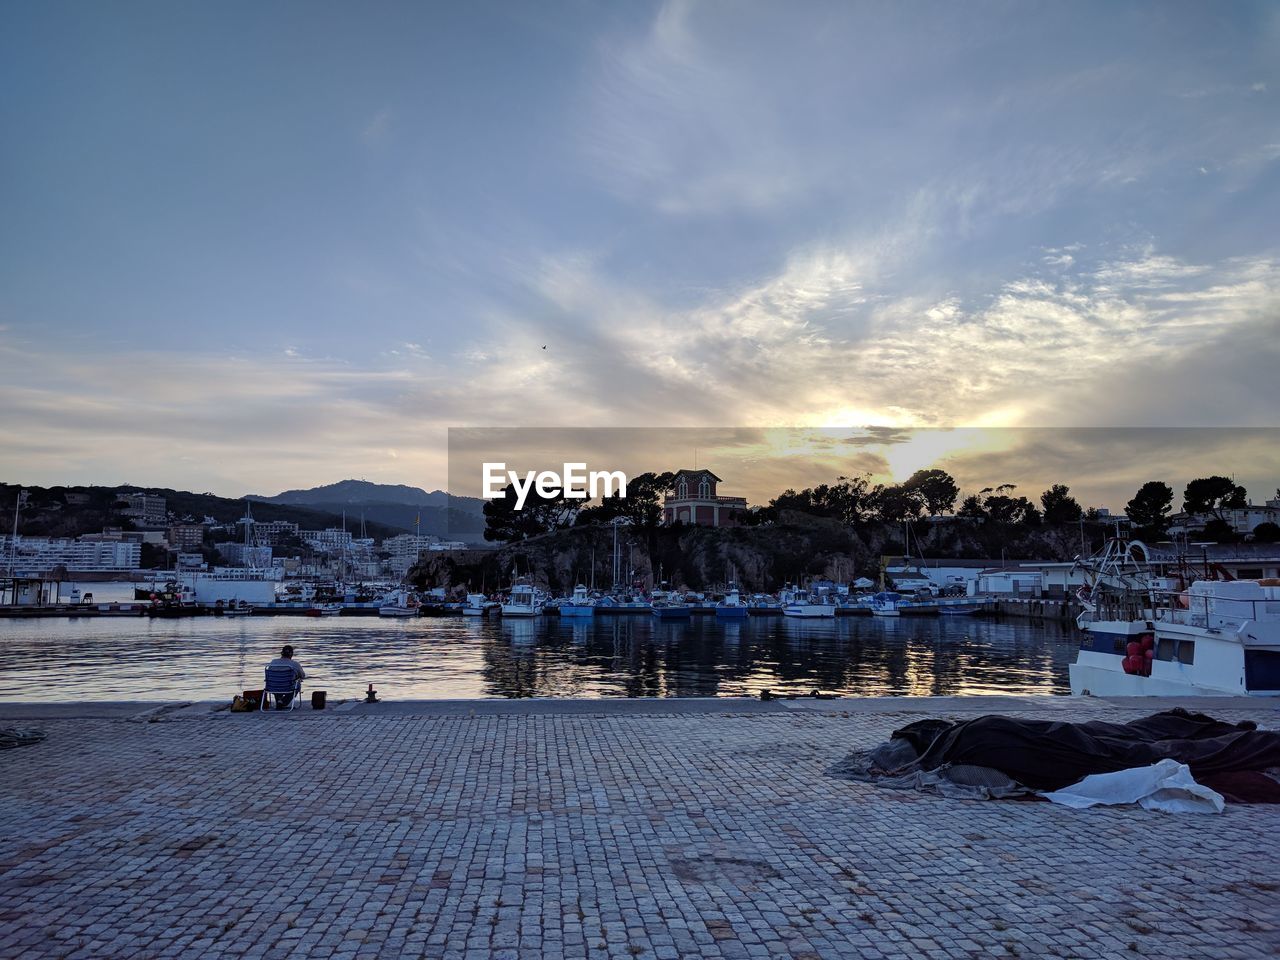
(1050, 754)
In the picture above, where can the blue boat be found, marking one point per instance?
(732, 607)
(669, 606)
(579, 605)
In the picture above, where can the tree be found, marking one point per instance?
(1267, 532)
(1213, 495)
(642, 505)
(897, 502)
(1219, 531)
(936, 488)
(849, 500)
(998, 505)
(1149, 509)
(1059, 506)
(502, 521)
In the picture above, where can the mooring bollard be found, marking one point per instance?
(371, 695)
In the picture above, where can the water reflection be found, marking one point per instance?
(628, 656)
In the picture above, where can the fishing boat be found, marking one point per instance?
(732, 607)
(958, 608)
(400, 603)
(886, 603)
(1215, 638)
(622, 602)
(578, 605)
(763, 605)
(668, 605)
(478, 605)
(525, 601)
(802, 606)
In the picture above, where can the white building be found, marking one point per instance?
(405, 549)
(1243, 520)
(332, 540)
(37, 555)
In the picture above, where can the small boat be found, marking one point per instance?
(579, 605)
(525, 601)
(952, 609)
(478, 605)
(400, 603)
(732, 607)
(667, 605)
(804, 607)
(886, 604)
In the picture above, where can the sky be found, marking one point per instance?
(250, 247)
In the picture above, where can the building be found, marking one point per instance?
(270, 532)
(1243, 520)
(185, 537)
(332, 540)
(239, 555)
(1243, 561)
(405, 549)
(145, 509)
(90, 554)
(694, 500)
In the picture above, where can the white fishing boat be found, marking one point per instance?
(400, 603)
(1118, 597)
(804, 607)
(886, 603)
(1216, 638)
(478, 605)
(525, 601)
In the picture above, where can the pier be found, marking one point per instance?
(662, 829)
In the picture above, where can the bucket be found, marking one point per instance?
(317, 699)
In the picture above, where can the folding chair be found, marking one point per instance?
(281, 681)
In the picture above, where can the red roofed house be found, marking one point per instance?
(694, 500)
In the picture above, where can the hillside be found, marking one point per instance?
(393, 505)
(48, 513)
(796, 548)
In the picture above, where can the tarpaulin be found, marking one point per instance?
(1021, 756)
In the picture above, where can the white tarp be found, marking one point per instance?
(1166, 786)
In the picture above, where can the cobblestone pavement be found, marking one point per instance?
(573, 836)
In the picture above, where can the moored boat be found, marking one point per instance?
(525, 601)
(478, 605)
(886, 603)
(732, 607)
(1216, 638)
(578, 605)
(400, 603)
(668, 605)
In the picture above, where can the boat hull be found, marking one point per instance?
(731, 613)
(812, 611)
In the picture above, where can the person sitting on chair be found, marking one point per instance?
(286, 660)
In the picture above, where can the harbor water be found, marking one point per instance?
(208, 658)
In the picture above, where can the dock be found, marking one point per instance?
(572, 830)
